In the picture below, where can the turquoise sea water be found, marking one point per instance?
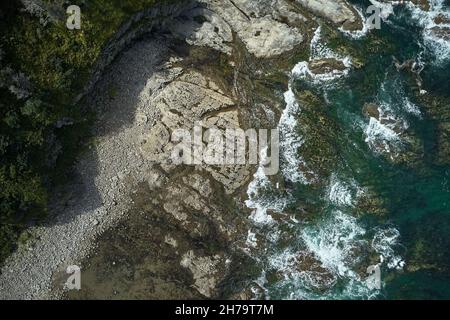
(418, 199)
(339, 242)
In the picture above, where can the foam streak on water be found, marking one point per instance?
(256, 200)
(290, 140)
(331, 251)
(319, 51)
(322, 254)
(384, 134)
(436, 36)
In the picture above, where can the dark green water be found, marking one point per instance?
(414, 191)
(418, 198)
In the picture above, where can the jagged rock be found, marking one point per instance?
(337, 11)
(389, 135)
(152, 144)
(231, 177)
(205, 28)
(223, 120)
(278, 9)
(442, 19)
(262, 34)
(192, 203)
(199, 183)
(308, 263)
(371, 110)
(441, 32)
(188, 101)
(192, 206)
(326, 66)
(207, 271)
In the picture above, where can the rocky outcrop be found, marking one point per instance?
(337, 11)
(190, 100)
(442, 29)
(190, 214)
(205, 28)
(323, 66)
(267, 28)
(206, 270)
(390, 136)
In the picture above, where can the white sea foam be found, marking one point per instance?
(261, 197)
(384, 242)
(291, 141)
(251, 239)
(411, 107)
(317, 48)
(325, 252)
(333, 240)
(334, 243)
(383, 135)
(357, 34)
(386, 9)
(437, 45)
(329, 253)
(255, 200)
(328, 256)
(319, 51)
(341, 193)
(261, 283)
(303, 71)
(380, 137)
(298, 279)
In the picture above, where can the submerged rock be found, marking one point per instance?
(390, 136)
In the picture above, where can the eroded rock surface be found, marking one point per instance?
(338, 11)
(260, 25)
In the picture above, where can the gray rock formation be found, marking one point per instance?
(337, 11)
(258, 27)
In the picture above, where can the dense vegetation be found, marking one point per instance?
(43, 67)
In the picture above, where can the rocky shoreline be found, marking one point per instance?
(155, 86)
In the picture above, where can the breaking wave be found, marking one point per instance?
(384, 133)
(436, 28)
(325, 258)
(319, 51)
(386, 9)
